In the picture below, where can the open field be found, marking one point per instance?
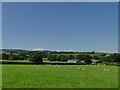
(14, 60)
(0, 76)
(52, 76)
(28, 61)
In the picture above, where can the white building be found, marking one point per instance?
(73, 61)
(94, 61)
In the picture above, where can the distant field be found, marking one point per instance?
(52, 76)
(14, 60)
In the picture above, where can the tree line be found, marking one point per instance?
(38, 56)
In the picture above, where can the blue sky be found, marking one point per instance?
(0, 25)
(61, 26)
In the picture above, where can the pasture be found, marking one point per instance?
(0, 76)
(59, 76)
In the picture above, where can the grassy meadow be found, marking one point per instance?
(0, 76)
(59, 76)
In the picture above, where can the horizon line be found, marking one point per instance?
(40, 49)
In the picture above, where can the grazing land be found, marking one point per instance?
(0, 76)
(59, 76)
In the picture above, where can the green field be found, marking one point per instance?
(0, 76)
(52, 76)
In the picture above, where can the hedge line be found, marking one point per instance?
(44, 63)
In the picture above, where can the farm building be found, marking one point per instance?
(73, 61)
(94, 61)
(76, 61)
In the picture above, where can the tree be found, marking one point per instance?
(71, 56)
(36, 58)
(52, 57)
(93, 52)
(44, 54)
(102, 59)
(87, 59)
(5, 56)
(80, 57)
(14, 57)
(63, 57)
(96, 57)
(102, 54)
(113, 58)
(23, 55)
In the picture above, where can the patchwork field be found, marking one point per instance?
(59, 76)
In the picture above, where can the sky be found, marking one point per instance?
(61, 26)
(0, 25)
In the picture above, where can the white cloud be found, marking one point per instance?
(38, 49)
(41, 49)
(71, 50)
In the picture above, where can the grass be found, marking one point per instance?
(0, 76)
(51, 76)
(14, 60)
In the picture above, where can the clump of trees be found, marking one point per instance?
(53, 57)
(113, 58)
(14, 56)
(84, 57)
(64, 57)
(5, 56)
